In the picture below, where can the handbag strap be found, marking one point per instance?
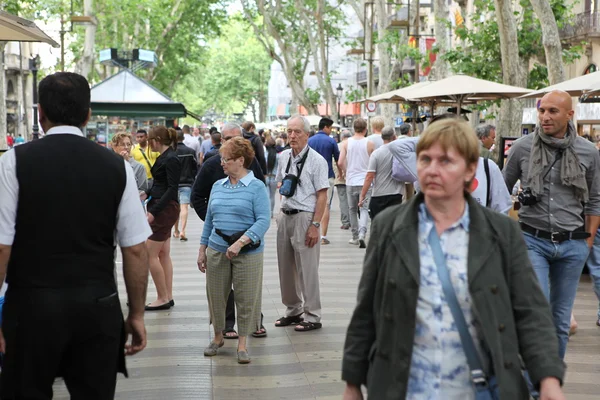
(477, 375)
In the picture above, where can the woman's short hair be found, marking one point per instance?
(451, 133)
(119, 136)
(239, 147)
(164, 135)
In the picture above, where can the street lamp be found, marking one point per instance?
(340, 91)
(34, 65)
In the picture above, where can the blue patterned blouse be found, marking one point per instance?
(439, 368)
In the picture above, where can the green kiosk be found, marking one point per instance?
(126, 102)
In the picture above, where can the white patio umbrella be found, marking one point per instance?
(397, 96)
(13, 28)
(461, 89)
(575, 87)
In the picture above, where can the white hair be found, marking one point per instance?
(305, 122)
(230, 126)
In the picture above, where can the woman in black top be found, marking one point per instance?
(163, 210)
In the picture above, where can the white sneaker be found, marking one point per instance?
(353, 241)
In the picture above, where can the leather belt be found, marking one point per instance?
(555, 237)
(290, 211)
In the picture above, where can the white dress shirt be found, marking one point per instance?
(192, 143)
(132, 224)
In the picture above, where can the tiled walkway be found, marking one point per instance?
(286, 364)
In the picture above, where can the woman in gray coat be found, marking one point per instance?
(403, 340)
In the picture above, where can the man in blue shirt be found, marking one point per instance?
(327, 147)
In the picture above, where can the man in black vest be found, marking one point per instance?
(61, 212)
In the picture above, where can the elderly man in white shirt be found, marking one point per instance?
(298, 227)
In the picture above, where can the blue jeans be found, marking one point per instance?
(593, 264)
(558, 268)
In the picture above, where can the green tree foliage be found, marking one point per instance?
(177, 30)
(233, 76)
(478, 53)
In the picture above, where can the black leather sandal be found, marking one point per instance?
(308, 326)
(286, 321)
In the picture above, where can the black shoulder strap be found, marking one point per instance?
(145, 156)
(300, 163)
(486, 166)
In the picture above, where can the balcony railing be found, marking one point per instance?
(361, 76)
(584, 25)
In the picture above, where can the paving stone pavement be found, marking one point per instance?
(286, 364)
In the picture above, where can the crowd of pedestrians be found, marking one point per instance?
(456, 300)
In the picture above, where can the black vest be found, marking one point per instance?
(70, 189)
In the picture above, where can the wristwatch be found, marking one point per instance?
(316, 224)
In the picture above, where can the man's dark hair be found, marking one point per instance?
(215, 138)
(405, 129)
(186, 129)
(213, 129)
(65, 99)
(142, 131)
(325, 123)
(179, 135)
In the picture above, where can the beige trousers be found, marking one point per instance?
(298, 267)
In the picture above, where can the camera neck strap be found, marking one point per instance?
(558, 156)
(299, 166)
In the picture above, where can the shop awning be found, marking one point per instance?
(167, 110)
(127, 95)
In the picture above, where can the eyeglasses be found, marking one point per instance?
(225, 160)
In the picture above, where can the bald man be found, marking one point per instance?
(560, 182)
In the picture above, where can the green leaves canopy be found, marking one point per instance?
(233, 75)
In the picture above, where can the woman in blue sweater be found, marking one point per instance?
(232, 245)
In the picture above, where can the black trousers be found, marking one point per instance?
(380, 203)
(77, 334)
(230, 313)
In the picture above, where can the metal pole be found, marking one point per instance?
(415, 108)
(36, 129)
(338, 110)
(369, 28)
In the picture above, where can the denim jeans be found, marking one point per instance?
(593, 264)
(558, 268)
(272, 188)
(359, 226)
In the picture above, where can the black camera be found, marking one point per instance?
(527, 198)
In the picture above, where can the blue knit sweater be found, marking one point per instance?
(234, 208)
